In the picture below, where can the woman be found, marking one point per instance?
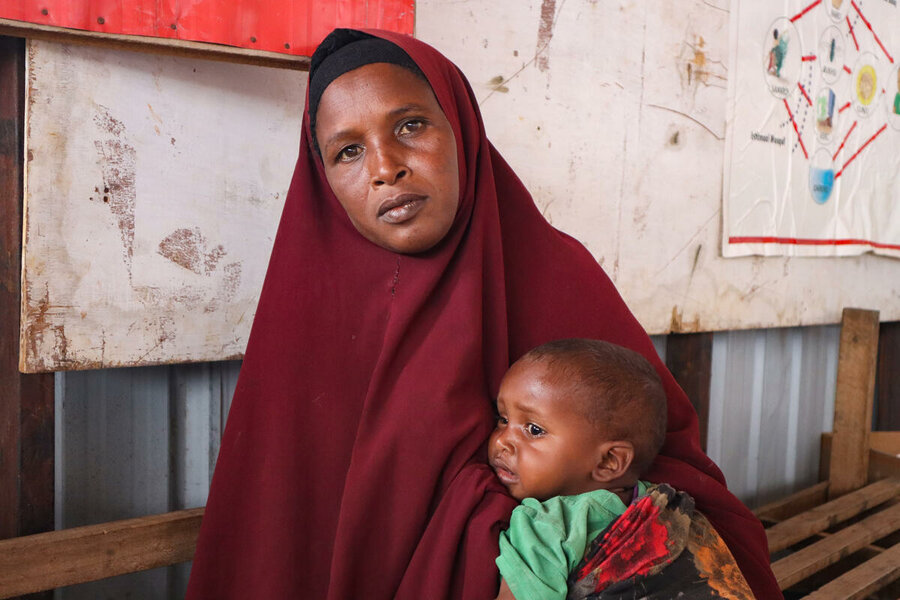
(410, 269)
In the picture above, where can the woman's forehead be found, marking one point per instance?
(377, 89)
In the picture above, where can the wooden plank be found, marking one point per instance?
(689, 358)
(887, 442)
(59, 558)
(794, 504)
(26, 401)
(884, 460)
(863, 580)
(853, 401)
(154, 45)
(887, 386)
(815, 557)
(822, 517)
(883, 465)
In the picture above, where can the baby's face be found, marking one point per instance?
(542, 446)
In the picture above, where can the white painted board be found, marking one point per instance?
(153, 189)
(612, 113)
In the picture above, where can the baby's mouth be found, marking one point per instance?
(504, 473)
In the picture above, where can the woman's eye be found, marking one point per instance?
(534, 430)
(412, 126)
(349, 153)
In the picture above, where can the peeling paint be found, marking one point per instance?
(545, 34)
(679, 325)
(187, 248)
(118, 167)
(497, 84)
(42, 333)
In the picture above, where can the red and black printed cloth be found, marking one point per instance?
(660, 548)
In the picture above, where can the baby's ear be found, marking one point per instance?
(614, 459)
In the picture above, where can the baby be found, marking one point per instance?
(578, 422)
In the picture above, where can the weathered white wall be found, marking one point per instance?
(613, 113)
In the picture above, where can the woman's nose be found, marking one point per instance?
(386, 166)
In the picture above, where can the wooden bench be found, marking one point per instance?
(822, 539)
(838, 539)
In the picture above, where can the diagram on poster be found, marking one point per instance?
(812, 164)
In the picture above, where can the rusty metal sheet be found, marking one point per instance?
(153, 189)
(287, 26)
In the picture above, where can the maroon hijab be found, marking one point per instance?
(353, 462)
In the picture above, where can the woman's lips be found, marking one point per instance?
(401, 208)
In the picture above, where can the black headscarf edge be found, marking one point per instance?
(344, 50)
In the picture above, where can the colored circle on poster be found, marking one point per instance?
(866, 84)
(831, 54)
(836, 9)
(893, 96)
(826, 114)
(821, 176)
(782, 58)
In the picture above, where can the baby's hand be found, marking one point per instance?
(505, 593)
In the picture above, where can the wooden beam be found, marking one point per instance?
(153, 45)
(59, 558)
(26, 401)
(884, 458)
(822, 517)
(863, 580)
(815, 557)
(887, 442)
(794, 504)
(887, 383)
(689, 358)
(853, 401)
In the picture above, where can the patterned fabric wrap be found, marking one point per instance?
(659, 548)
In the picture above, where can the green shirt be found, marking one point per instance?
(546, 540)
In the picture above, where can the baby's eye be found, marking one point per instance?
(501, 420)
(348, 153)
(411, 126)
(534, 430)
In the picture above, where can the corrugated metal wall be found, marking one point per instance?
(133, 442)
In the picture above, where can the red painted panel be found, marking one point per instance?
(287, 26)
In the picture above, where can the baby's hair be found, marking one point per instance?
(618, 391)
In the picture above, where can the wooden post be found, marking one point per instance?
(26, 401)
(887, 387)
(689, 358)
(854, 393)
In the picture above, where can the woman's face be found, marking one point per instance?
(390, 156)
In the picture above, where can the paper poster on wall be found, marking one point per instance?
(812, 164)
